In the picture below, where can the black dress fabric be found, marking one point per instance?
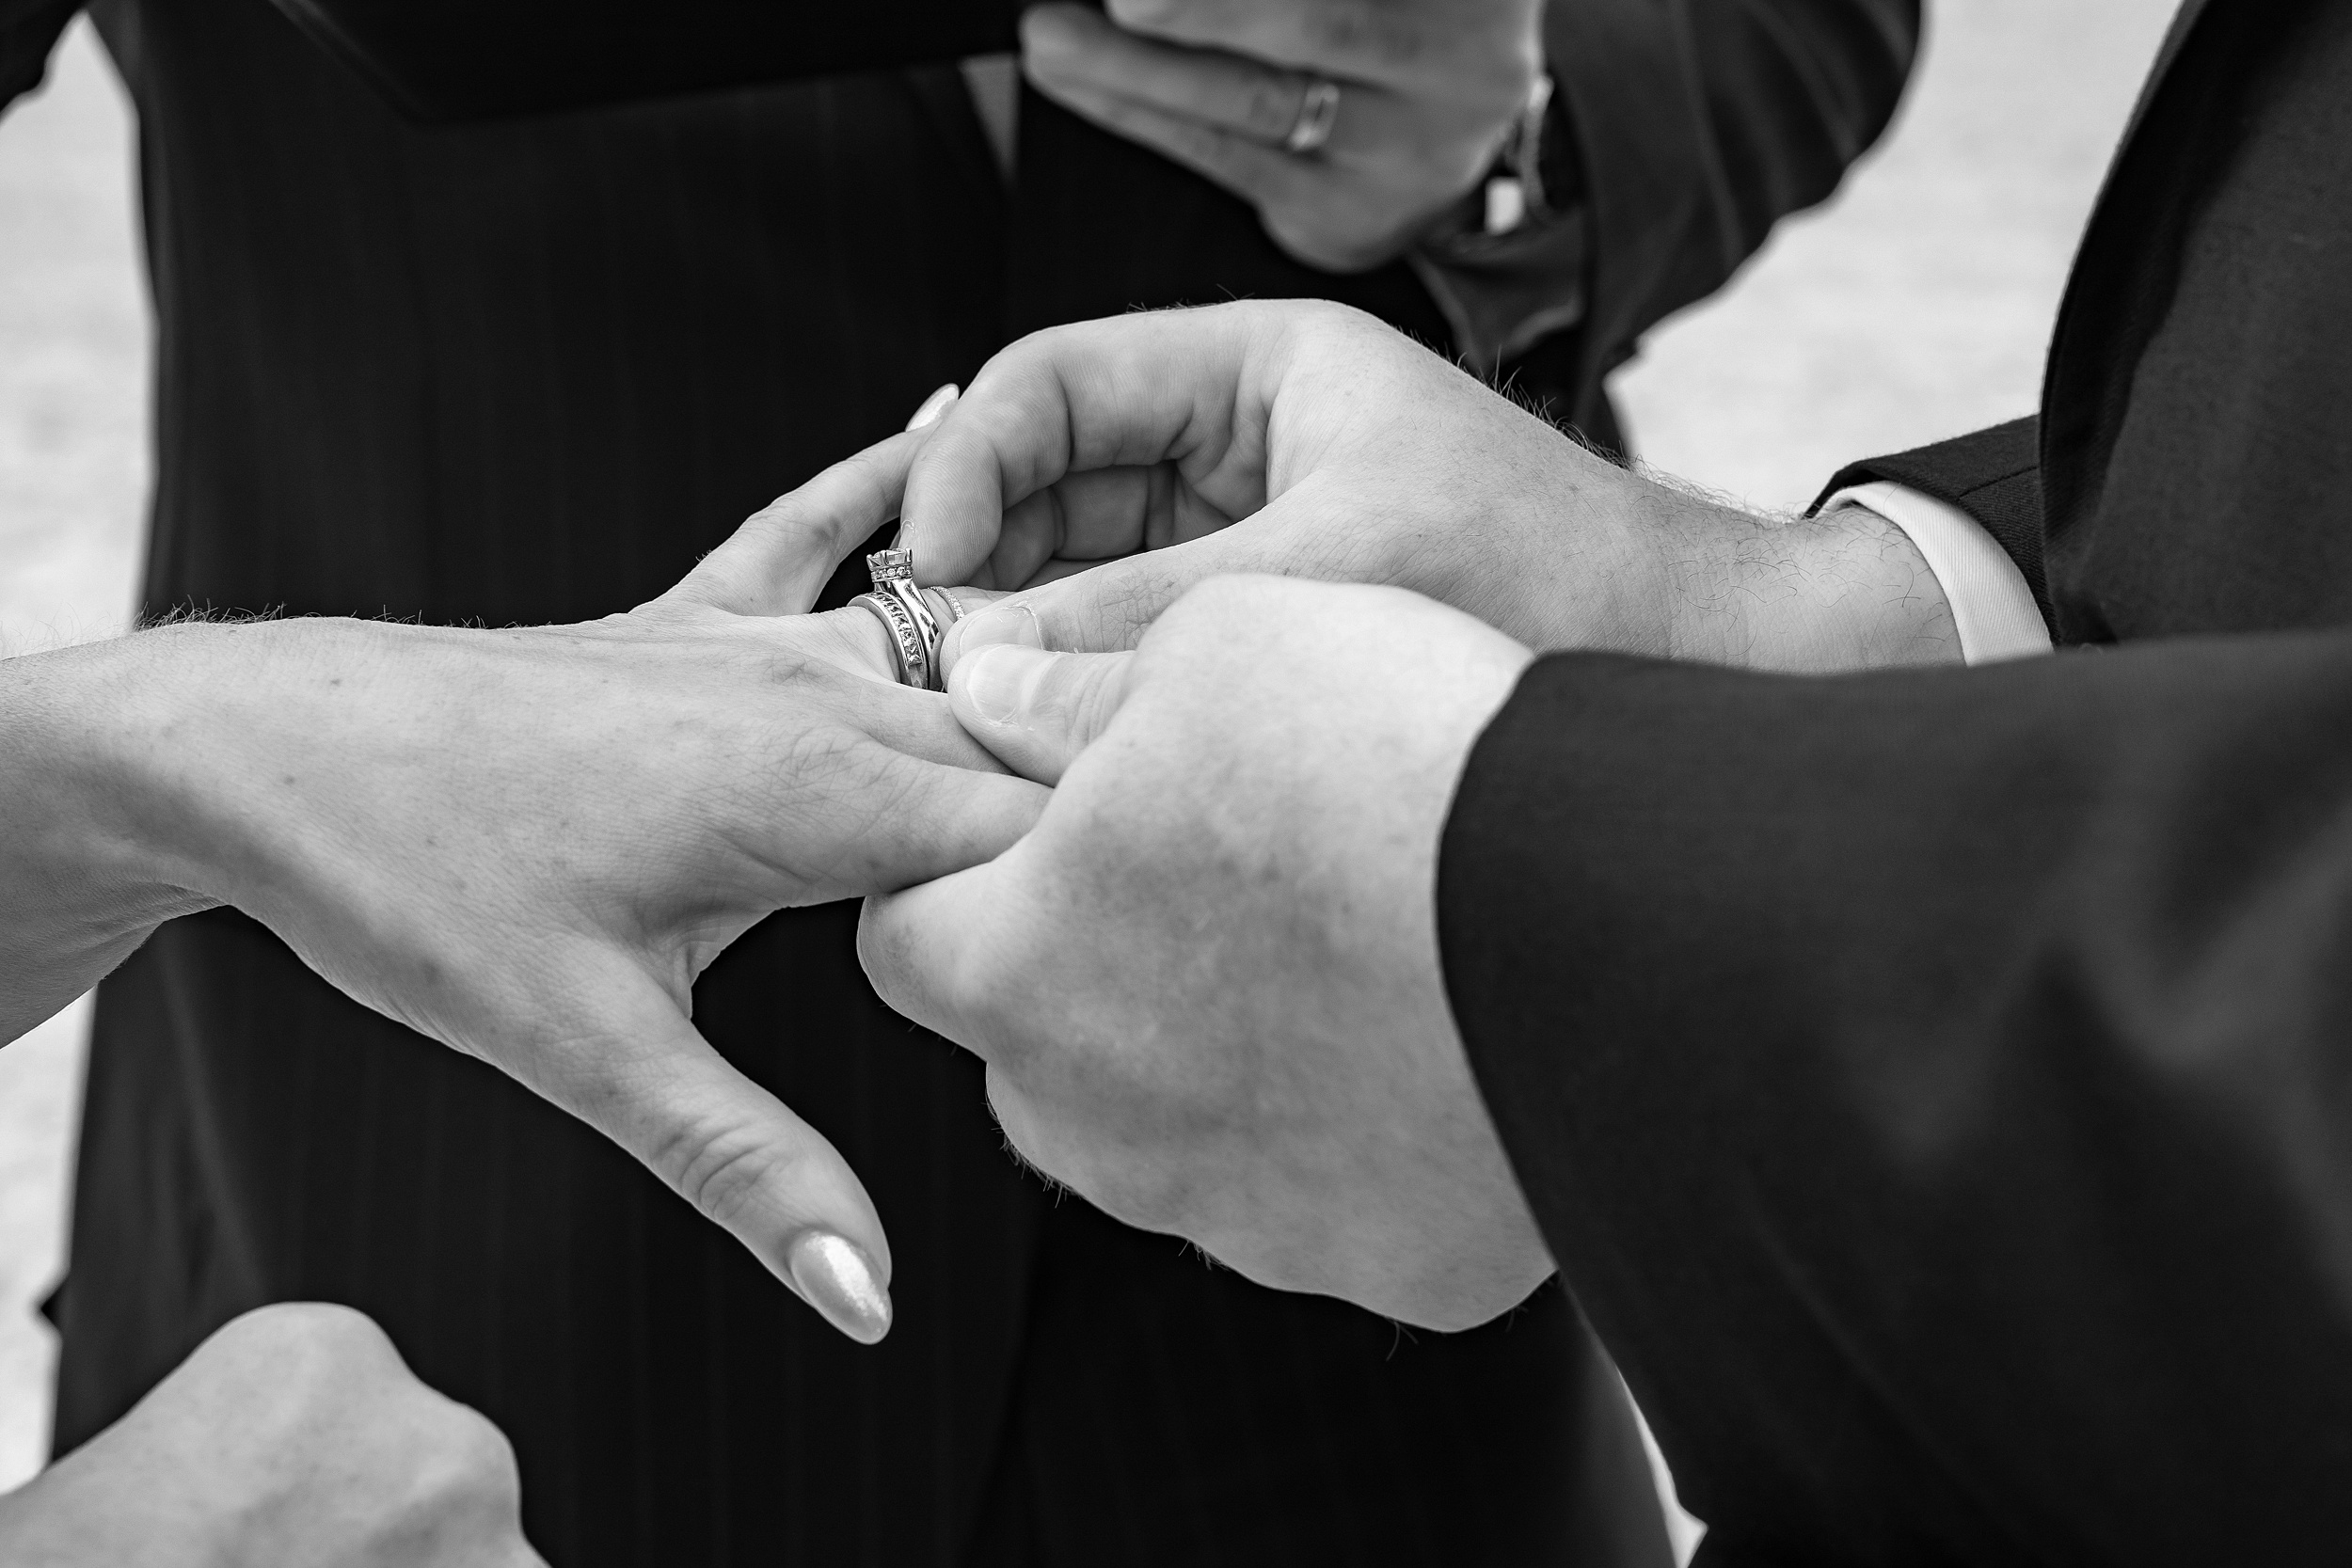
(1934, 1084)
(446, 61)
(530, 370)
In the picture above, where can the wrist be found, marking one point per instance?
(79, 799)
(124, 746)
(1846, 590)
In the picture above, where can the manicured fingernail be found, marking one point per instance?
(996, 680)
(934, 405)
(835, 1275)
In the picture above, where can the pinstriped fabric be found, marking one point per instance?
(1349, 1441)
(531, 372)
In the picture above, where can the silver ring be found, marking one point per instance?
(1317, 111)
(954, 611)
(906, 641)
(893, 580)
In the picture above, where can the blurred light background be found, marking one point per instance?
(1915, 305)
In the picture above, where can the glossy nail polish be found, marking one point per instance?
(833, 1274)
(934, 405)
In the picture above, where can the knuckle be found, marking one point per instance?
(1129, 597)
(721, 1170)
(313, 1333)
(1046, 1139)
(478, 1458)
(1360, 329)
(1214, 603)
(1138, 1193)
(1072, 1117)
(461, 1477)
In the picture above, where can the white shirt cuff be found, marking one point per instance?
(1992, 607)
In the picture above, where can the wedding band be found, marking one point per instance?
(953, 610)
(1317, 111)
(893, 572)
(906, 642)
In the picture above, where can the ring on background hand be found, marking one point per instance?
(1317, 111)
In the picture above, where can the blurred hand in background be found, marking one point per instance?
(294, 1435)
(1428, 91)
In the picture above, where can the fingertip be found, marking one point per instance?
(1035, 710)
(935, 406)
(994, 684)
(1011, 622)
(837, 1277)
(738, 1155)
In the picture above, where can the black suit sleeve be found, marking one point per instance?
(1701, 123)
(1937, 1086)
(28, 31)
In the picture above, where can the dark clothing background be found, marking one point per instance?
(530, 370)
(1948, 1123)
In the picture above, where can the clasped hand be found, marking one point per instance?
(1207, 984)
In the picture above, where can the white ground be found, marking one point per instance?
(1917, 304)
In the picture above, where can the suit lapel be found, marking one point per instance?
(2184, 21)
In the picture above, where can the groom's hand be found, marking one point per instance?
(1207, 984)
(525, 844)
(1309, 440)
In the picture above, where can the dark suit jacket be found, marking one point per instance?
(1949, 1126)
(530, 370)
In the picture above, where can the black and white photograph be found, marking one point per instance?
(1135, 784)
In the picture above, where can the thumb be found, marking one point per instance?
(1036, 710)
(633, 1067)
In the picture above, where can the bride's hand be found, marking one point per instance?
(527, 843)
